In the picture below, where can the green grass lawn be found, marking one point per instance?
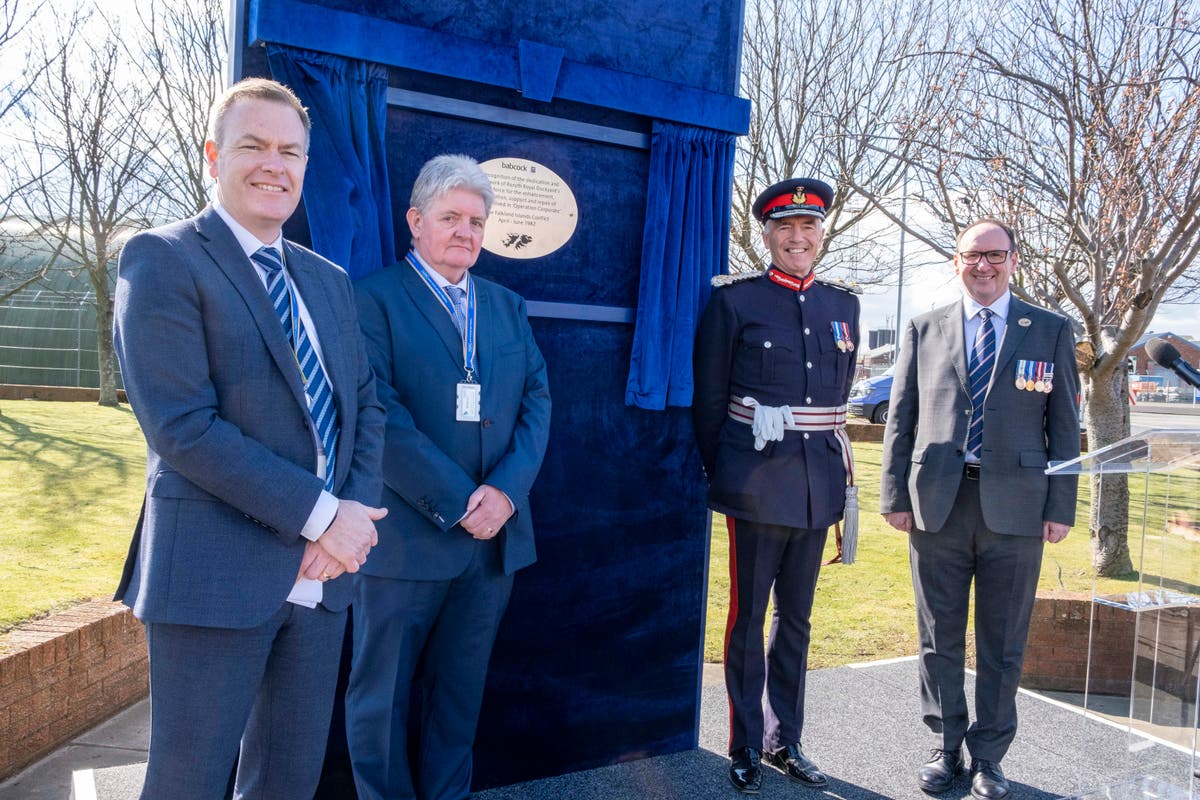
(71, 478)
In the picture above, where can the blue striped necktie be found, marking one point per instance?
(458, 296)
(981, 364)
(316, 385)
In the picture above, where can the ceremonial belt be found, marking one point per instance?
(807, 418)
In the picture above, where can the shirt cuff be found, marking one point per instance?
(321, 517)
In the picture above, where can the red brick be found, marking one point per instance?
(55, 674)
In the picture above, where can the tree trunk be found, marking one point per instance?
(1107, 422)
(104, 349)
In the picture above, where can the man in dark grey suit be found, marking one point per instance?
(468, 418)
(246, 369)
(984, 397)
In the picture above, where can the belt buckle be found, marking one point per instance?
(971, 472)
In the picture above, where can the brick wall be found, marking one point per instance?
(1057, 650)
(61, 675)
(14, 391)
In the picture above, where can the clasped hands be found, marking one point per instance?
(488, 509)
(343, 547)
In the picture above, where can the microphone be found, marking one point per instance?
(1164, 354)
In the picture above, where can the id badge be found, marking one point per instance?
(466, 407)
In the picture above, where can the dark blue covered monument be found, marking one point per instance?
(618, 120)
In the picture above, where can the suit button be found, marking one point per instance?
(801, 298)
(767, 345)
(808, 364)
(806, 434)
(967, 412)
(808, 400)
(487, 423)
(807, 331)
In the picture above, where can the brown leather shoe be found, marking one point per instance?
(987, 781)
(939, 772)
(792, 762)
(744, 771)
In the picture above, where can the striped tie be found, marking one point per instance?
(316, 385)
(983, 360)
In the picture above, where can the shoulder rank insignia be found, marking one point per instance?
(736, 277)
(838, 283)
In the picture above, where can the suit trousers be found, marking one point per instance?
(1005, 570)
(765, 560)
(421, 651)
(270, 686)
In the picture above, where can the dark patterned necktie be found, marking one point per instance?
(316, 385)
(983, 360)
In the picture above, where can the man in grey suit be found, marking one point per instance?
(984, 397)
(468, 418)
(246, 369)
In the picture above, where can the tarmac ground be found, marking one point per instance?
(862, 726)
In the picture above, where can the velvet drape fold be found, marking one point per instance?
(685, 244)
(346, 195)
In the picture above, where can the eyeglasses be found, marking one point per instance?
(994, 257)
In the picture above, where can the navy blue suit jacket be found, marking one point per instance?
(432, 463)
(230, 478)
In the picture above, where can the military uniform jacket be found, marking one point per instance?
(760, 339)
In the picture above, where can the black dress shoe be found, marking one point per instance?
(938, 773)
(987, 781)
(792, 762)
(744, 771)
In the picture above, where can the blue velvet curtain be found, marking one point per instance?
(346, 186)
(684, 245)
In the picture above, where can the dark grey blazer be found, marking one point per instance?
(230, 464)
(930, 411)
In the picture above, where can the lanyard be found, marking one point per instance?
(466, 326)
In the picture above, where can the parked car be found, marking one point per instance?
(869, 398)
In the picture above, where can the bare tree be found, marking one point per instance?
(831, 89)
(86, 163)
(1079, 121)
(180, 52)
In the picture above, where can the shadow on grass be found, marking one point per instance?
(69, 469)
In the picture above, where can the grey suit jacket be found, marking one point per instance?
(431, 462)
(230, 464)
(930, 412)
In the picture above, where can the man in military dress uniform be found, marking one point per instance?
(774, 361)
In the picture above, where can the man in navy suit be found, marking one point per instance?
(468, 417)
(246, 369)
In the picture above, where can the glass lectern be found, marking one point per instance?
(1143, 642)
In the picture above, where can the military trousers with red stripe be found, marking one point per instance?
(765, 560)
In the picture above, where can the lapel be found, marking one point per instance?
(485, 322)
(222, 247)
(951, 325)
(1014, 334)
(434, 313)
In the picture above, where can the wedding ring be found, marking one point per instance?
(325, 576)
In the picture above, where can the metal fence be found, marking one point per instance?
(49, 338)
